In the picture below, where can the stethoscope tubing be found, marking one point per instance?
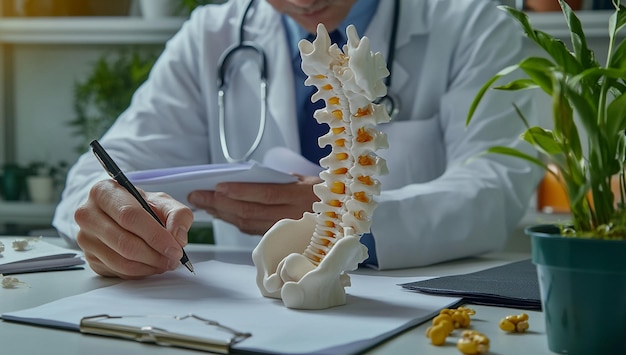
(222, 86)
(389, 101)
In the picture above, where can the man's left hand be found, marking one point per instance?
(255, 207)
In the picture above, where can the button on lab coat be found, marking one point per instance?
(437, 204)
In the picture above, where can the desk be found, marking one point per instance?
(47, 287)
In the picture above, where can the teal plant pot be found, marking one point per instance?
(583, 291)
(12, 182)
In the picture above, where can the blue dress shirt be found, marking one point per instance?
(360, 16)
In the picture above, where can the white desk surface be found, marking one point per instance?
(47, 287)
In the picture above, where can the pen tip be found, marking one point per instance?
(189, 266)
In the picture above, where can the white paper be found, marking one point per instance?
(290, 162)
(178, 182)
(38, 256)
(376, 308)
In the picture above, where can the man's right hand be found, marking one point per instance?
(121, 239)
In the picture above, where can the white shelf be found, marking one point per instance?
(88, 30)
(130, 30)
(21, 212)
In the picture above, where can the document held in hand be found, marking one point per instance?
(178, 182)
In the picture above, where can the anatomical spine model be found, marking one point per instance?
(304, 262)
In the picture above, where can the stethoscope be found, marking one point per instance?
(389, 101)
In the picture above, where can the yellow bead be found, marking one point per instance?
(473, 343)
(437, 334)
(507, 325)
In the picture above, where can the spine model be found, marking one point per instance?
(348, 83)
(304, 262)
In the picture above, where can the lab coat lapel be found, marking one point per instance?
(266, 29)
(411, 23)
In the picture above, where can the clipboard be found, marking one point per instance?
(189, 331)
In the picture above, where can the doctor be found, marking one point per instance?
(437, 204)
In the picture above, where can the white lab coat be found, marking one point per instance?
(435, 206)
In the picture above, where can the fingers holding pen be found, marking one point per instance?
(108, 262)
(177, 217)
(112, 251)
(117, 233)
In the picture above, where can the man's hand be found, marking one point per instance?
(121, 239)
(255, 207)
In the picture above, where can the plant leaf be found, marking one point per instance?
(616, 115)
(539, 70)
(579, 42)
(619, 56)
(512, 152)
(522, 18)
(565, 129)
(617, 21)
(595, 73)
(559, 53)
(553, 46)
(618, 89)
(520, 84)
(486, 87)
(543, 140)
(586, 108)
(620, 152)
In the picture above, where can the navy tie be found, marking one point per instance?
(310, 130)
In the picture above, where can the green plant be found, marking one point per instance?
(579, 86)
(188, 5)
(56, 171)
(106, 92)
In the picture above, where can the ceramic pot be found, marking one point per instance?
(12, 182)
(155, 9)
(583, 291)
(550, 5)
(40, 189)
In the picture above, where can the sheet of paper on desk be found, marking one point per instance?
(178, 182)
(377, 308)
(38, 256)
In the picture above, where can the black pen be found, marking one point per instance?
(117, 174)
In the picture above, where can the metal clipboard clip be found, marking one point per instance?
(208, 335)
